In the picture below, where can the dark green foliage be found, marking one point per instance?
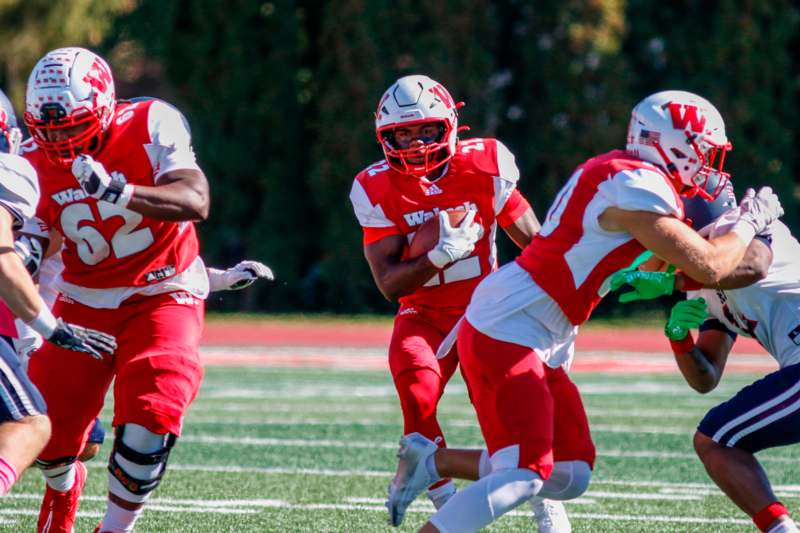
(280, 96)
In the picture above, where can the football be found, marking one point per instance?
(427, 235)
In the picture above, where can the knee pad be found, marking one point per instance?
(568, 480)
(138, 461)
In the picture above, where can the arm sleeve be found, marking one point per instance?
(373, 220)
(716, 325)
(19, 188)
(505, 182)
(171, 146)
(642, 189)
(515, 207)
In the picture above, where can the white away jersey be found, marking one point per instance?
(19, 188)
(768, 310)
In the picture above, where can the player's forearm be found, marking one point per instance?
(404, 277)
(16, 286)
(175, 201)
(524, 229)
(697, 370)
(717, 261)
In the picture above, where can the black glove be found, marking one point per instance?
(80, 339)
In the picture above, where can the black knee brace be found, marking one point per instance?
(138, 486)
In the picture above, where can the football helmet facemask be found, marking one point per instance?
(69, 103)
(412, 101)
(684, 134)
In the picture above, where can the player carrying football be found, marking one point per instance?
(525, 316)
(428, 170)
(120, 182)
(760, 299)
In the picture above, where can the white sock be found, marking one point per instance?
(485, 464)
(440, 495)
(119, 520)
(60, 478)
(486, 500)
(430, 465)
(784, 526)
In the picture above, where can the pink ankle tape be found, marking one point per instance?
(8, 475)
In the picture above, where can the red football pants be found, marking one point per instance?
(419, 377)
(521, 402)
(156, 368)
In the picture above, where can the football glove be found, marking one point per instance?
(238, 277)
(455, 243)
(756, 212)
(80, 339)
(684, 316)
(646, 285)
(98, 183)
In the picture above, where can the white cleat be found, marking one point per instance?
(550, 516)
(412, 476)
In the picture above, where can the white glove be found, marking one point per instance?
(98, 183)
(239, 276)
(455, 243)
(756, 212)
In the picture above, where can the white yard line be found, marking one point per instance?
(266, 422)
(330, 443)
(241, 506)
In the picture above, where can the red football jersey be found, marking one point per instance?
(106, 245)
(482, 175)
(572, 257)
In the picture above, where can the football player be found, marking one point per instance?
(24, 426)
(426, 171)
(121, 184)
(525, 316)
(26, 340)
(759, 299)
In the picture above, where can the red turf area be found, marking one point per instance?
(296, 333)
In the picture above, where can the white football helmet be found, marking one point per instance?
(414, 100)
(69, 88)
(684, 134)
(10, 136)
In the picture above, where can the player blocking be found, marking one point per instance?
(524, 317)
(120, 182)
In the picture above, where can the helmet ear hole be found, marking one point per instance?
(677, 153)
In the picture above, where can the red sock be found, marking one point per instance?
(769, 514)
(8, 476)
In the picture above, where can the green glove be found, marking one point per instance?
(646, 285)
(684, 316)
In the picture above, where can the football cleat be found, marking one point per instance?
(57, 514)
(550, 516)
(412, 475)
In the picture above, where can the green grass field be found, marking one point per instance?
(291, 450)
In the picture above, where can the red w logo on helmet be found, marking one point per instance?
(690, 117)
(98, 76)
(442, 94)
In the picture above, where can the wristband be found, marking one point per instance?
(744, 230)
(438, 258)
(125, 196)
(684, 345)
(44, 323)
